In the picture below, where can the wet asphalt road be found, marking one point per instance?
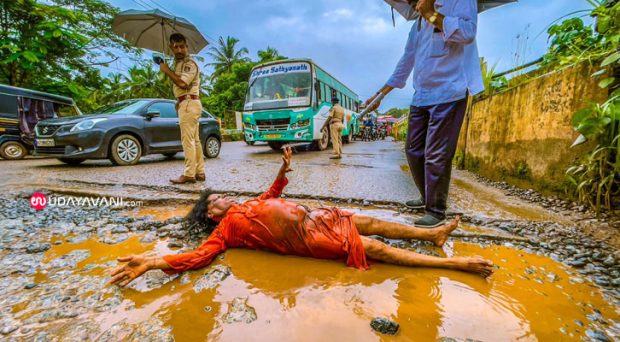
(372, 171)
(369, 173)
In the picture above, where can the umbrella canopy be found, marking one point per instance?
(152, 29)
(409, 12)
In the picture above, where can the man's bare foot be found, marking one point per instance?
(444, 231)
(479, 266)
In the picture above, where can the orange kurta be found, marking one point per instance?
(273, 224)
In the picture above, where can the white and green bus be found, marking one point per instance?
(288, 101)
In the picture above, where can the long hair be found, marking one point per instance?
(197, 223)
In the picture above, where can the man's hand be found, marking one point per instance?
(386, 89)
(426, 8)
(135, 266)
(287, 154)
(163, 67)
(367, 102)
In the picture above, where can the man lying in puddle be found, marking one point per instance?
(271, 223)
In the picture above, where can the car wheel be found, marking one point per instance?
(13, 150)
(71, 161)
(275, 145)
(212, 147)
(170, 154)
(125, 150)
(321, 144)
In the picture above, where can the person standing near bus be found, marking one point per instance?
(441, 50)
(186, 88)
(335, 122)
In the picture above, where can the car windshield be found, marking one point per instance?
(124, 107)
(279, 86)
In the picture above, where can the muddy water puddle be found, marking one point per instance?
(252, 295)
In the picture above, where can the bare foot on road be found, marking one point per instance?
(444, 231)
(478, 266)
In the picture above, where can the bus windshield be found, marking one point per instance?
(280, 86)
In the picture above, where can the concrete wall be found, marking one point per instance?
(523, 134)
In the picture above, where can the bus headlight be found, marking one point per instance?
(249, 126)
(300, 124)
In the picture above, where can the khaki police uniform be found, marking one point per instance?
(335, 127)
(190, 111)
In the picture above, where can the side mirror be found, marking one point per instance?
(152, 114)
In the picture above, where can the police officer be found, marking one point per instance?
(335, 122)
(186, 81)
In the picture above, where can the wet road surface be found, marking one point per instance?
(60, 293)
(375, 172)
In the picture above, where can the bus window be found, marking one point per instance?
(319, 93)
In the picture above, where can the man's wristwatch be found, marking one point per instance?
(433, 18)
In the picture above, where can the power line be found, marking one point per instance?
(140, 4)
(157, 4)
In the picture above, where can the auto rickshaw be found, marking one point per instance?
(20, 110)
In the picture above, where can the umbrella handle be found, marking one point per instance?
(376, 100)
(163, 38)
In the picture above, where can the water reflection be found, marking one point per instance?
(529, 298)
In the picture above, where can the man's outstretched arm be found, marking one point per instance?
(137, 265)
(281, 181)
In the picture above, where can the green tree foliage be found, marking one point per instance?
(227, 92)
(268, 55)
(56, 45)
(596, 176)
(225, 54)
(569, 39)
(228, 87)
(397, 112)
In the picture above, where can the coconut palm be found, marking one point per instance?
(225, 55)
(143, 81)
(269, 54)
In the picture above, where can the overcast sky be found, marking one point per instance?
(355, 40)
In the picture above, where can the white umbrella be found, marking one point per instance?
(409, 12)
(152, 29)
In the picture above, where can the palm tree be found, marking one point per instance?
(225, 55)
(269, 54)
(144, 82)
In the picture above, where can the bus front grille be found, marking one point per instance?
(273, 125)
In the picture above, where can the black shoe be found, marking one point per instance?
(429, 221)
(416, 204)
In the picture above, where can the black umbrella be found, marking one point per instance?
(152, 29)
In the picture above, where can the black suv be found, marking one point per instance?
(122, 132)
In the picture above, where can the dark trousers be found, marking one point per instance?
(431, 143)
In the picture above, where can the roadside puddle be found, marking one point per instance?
(257, 295)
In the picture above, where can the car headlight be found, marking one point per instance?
(86, 124)
(300, 124)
